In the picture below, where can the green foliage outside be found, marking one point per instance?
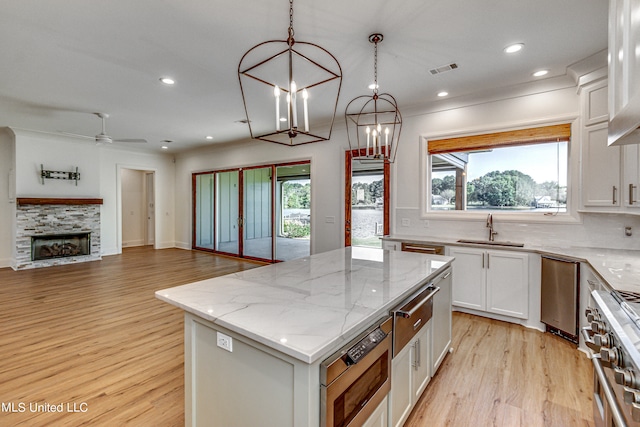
(510, 188)
(371, 192)
(294, 229)
(296, 195)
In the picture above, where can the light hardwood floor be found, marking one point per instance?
(94, 333)
(501, 374)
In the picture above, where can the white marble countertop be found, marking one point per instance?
(619, 268)
(309, 307)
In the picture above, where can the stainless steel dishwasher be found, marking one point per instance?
(559, 296)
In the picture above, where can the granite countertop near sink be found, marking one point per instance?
(618, 268)
(310, 307)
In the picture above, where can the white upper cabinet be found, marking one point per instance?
(610, 175)
(600, 168)
(631, 169)
(624, 72)
(594, 103)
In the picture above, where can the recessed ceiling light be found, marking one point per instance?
(443, 94)
(540, 73)
(167, 80)
(517, 47)
(208, 137)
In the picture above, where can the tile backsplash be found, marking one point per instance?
(596, 230)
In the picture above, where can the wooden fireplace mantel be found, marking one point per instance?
(56, 201)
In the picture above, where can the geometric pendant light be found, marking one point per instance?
(374, 121)
(290, 90)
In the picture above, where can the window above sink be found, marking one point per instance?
(518, 172)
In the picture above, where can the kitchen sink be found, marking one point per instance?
(492, 243)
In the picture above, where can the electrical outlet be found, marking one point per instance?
(406, 222)
(628, 232)
(224, 341)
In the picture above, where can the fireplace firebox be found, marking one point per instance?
(60, 246)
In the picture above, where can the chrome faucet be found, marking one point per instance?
(490, 226)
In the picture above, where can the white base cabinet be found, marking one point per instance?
(380, 416)
(441, 321)
(410, 374)
(493, 281)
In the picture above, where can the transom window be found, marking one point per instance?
(518, 171)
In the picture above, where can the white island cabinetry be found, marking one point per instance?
(410, 375)
(414, 365)
(251, 383)
(255, 340)
(441, 335)
(380, 416)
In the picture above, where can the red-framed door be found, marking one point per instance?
(240, 205)
(348, 211)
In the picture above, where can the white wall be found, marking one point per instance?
(113, 161)
(327, 175)
(99, 168)
(7, 195)
(327, 182)
(55, 153)
(583, 230)
(134, 218)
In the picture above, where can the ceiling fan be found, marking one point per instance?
(102, 137)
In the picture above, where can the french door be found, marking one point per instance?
(243, 212)
(366, 201)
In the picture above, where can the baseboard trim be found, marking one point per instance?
(182, 245)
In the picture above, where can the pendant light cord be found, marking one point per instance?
(290, 39)
(375, 67)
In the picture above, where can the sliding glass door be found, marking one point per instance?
(227, 209)
(259, 212)
(203, 210)
(293, 211)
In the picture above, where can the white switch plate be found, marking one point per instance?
(224, 341)
(330, 219)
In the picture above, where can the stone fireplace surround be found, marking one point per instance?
(55, 216)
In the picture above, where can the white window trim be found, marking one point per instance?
(572, 215)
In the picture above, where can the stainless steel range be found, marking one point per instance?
(614, 338)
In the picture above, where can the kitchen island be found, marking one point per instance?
(254, 340)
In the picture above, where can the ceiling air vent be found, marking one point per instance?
(443, 69)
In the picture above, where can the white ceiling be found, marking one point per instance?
(62, 60)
